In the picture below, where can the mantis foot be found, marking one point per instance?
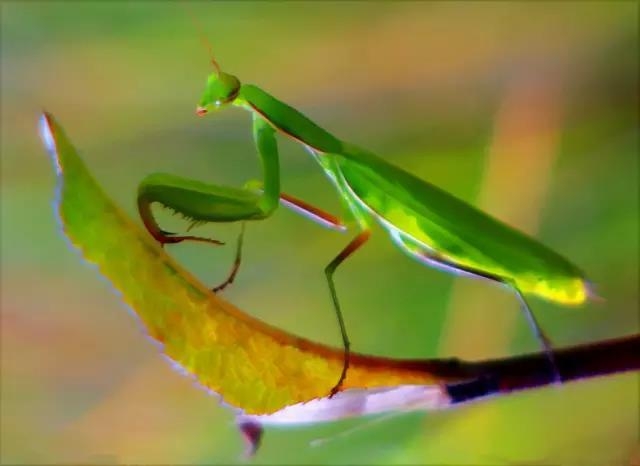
(334, 391)
(167, 237)
(338, 386)
(230, 279)
(224, 284)
(236, 264)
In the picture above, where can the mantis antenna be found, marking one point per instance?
(202, 36)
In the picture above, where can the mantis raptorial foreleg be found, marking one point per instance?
(197, 202)
(200, 202)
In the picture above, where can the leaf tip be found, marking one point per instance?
(46, 128)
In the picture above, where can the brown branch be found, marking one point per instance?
(470, 380)
(534, 370)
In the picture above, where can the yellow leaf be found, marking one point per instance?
(252, 365)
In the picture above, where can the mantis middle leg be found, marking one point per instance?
(236, 262)
(332, 168)
(329, 270)
(303, 208)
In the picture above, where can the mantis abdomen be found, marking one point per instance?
(458, 234)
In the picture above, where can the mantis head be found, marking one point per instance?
(222, 88)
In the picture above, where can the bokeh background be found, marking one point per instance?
(528, 110)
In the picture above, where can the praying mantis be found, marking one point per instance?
(422, 220)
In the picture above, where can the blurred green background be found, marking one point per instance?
(529, 110)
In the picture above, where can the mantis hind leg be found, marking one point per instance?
(430, 258)
(544, 340)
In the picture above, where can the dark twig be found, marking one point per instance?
(532, 370)
(473, 380)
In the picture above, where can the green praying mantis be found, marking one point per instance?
(422, 220)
